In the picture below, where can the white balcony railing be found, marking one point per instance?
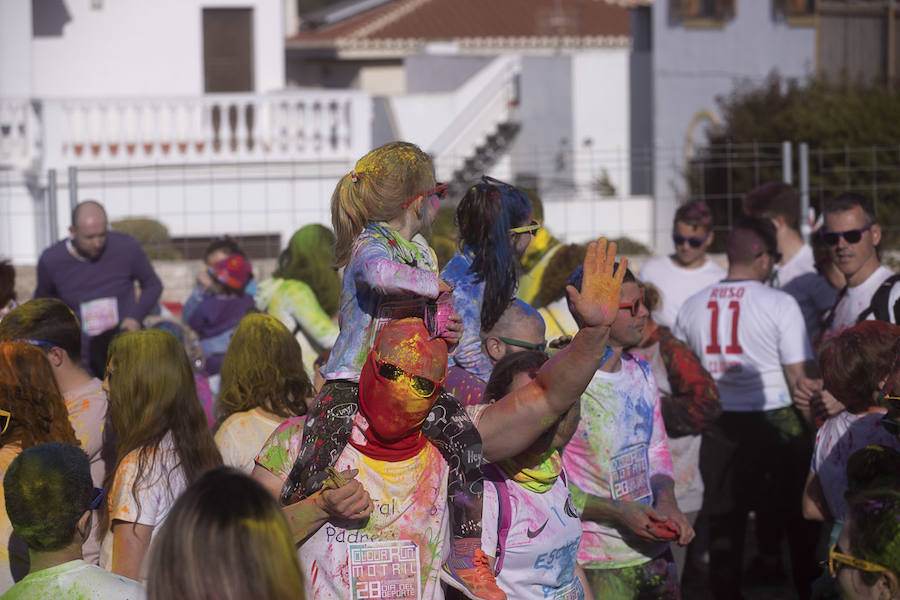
(18, 133)
(295, 125)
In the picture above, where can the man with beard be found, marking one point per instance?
(93, 272)
(852, 236)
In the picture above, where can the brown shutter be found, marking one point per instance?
(228, 49)
(724, 8)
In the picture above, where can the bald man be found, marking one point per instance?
(520, 327)
(93, 271)
(752, 339)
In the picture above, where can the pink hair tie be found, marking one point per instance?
(354, 177)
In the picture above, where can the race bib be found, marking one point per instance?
(99, 315)
(384, 570)
(630, 473)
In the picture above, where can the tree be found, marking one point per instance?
(852, 131)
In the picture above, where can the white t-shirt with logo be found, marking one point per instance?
(677, 284)
(620, 444)
(857, 299)
(744, 332)
(400, 547)
(541, 546)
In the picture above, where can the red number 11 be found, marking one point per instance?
(734, 347)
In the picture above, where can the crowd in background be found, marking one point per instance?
(517, 418)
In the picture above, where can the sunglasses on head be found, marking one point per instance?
(522, 344)
(695, 242)
(633, 307)
(531, 228)
(439, 190)
(419, 384)
(832, 238)
(836, 558)
(5, 417)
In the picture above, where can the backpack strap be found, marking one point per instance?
(879, 308)
(493, 474)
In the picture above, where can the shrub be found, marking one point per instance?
(152, 235)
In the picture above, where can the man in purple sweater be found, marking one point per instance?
(94, 272)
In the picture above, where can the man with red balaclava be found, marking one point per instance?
(384, 531)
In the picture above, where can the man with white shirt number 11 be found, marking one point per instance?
(752, 340)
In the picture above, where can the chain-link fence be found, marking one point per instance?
(722, 175)
(586, 192)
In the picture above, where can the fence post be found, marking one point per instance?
(787, 171)
(805, 228)
(73, 187)
(52, 216)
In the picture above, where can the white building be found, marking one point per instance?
(214, 117)
(172, 109)
(535, 92)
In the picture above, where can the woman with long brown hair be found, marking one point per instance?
(32, 412)
(164, 443)
(263, 383)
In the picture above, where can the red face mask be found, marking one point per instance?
(396, 390)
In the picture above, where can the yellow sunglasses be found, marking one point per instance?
(530, 228)
(836, 558)
(5, 417)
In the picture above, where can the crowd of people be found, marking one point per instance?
(526, 419)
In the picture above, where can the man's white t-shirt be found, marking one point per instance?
(541, 546)
(744, 332)
(401, 545)
(857, 299)
(839, 437)
(677, 284)
(242, 435)
(799, 278)
(75, 579)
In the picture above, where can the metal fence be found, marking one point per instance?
(587, 191)
(722, 175)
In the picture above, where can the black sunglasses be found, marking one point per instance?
(695, 242)
(832, 238)
(420, 385)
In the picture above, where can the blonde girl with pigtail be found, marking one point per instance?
(379, 212)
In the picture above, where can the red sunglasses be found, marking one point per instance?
(440, 190)
(633, 307)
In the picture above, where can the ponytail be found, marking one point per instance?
(485, 216)
(348, 217)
